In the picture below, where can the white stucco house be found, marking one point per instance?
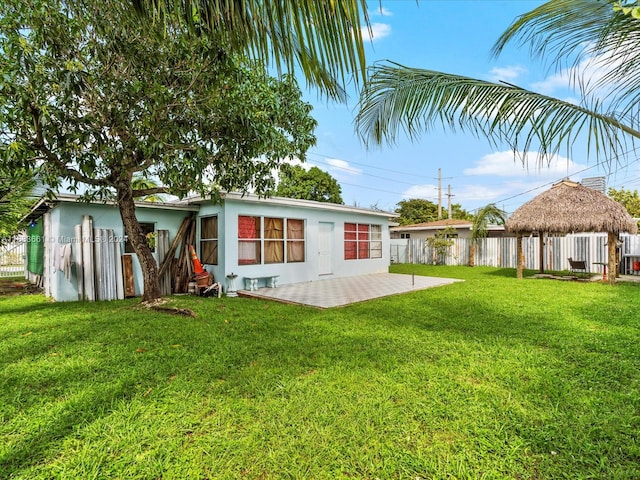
(459, 228)
(244, 236)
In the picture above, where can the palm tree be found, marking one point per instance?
(147, 189)
(400, 99)
(488, 215)
(320, 37)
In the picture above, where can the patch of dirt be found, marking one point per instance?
(17, 287)
(157, 306)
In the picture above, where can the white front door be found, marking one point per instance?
(325, 247)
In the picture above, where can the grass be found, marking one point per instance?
(487, 378)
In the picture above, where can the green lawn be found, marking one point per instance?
(487, 378)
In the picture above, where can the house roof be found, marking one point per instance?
(437, 225)
(569, 207)
(292, 202)
(46, 204)
(193, 204)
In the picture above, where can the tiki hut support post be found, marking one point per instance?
(612, 241)
(520, 256)
(541, 247)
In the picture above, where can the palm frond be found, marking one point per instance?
(558, 29)
(487, 215)
(568, 33)
(320, 37)
(399, 99)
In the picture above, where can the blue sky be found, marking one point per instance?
(455, 37)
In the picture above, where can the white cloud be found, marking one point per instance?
(504, 164)
(508, 74)
(378, 31)
(474, 195)
(342, 166)
(557, 81)
(295, 161)
(587, 74)
(427, 192)
(380, 11)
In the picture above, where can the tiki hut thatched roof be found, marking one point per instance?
(569, 207)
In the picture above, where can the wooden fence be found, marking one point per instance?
(501, 252)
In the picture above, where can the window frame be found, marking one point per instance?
(362, 241)
(210, 240)
(147, 228)
(274, 244)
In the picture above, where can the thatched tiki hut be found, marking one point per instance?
(569, 207)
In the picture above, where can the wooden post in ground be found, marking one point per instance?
(541, 249)
(520, 256)
(612, 240)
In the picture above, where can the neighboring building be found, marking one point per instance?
(247, 236)
(429, 229)
(596, 183)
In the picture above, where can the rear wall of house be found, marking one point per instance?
(66, 215)
(315, 219)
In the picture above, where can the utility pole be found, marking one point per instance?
(439, 193)
(449, 194)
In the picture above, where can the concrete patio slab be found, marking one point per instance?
(336, 292)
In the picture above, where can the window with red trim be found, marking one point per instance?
(362, 241)
(249, 240)
(263, 240)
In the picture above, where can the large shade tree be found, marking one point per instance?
(93, 97)
(585, 35)
(312, 184)
(419, 210)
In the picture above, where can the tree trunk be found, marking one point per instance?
(520, 255)
(611, 247)
(127, 207)
(541, 247)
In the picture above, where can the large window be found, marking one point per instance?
(249, 240)
(362, 241)
(270, 240)
(209, 240)
(295, 240)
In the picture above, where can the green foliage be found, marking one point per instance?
(100, 98)
(417, 210)
(313, 184)
(628, 8)
(141, 184)
(92, 96)
(628, 199)
(322, 39)
(15, 200)
(488, 215)
(440, 243)
(485, 378)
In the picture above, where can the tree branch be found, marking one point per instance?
(143, 192)
(40, 145)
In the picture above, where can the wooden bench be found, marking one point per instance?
(251, 283)
(576, 266)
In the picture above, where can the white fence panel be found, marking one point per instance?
(13, 258)
(501, 252)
